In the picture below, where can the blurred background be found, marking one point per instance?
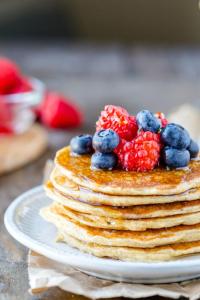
(128, 21)
(132, 52)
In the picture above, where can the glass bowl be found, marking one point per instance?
(17, 110)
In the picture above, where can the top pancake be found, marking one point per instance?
(119, 182)
(69, 188)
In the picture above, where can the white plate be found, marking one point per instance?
(24, 223)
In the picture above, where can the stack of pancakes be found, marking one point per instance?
(150, 216)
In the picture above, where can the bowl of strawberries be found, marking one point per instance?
(19, 94)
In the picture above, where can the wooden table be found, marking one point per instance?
(135, 77)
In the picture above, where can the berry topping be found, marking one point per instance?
(118, 119)
(193, 149)
(175, 158)
(58, 112)
(105, 140)
(81, 144)
(175, 136)
(9, 75)
(119, 150)
(162, 118)
(137, 143)
(142, 154)
(105, 161)
(147, 121)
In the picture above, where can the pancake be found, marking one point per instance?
(138, 239)
(162, 253)
(17, 150)
(123, 224)
(119, 182)
(131, 212)
(69, 188)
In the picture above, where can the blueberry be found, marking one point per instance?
(193, 149)
(175, 136)
(147, 121)
(81, 144)
(106, 161)
(105, 141)
(175, 158)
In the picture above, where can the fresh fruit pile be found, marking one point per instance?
(55, 110)
(12, 81)
(138, 143)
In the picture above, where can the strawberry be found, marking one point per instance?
(22, 86)
(9, 75)
(5, 117)
(5, 112)
(57, 112)
(6, 130)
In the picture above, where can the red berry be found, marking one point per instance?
(5, 130)
(6, 114)
(57, 112)
(6, 117)
(9, 75)
(119, 150)
(22, 86)
(118, 119)
(143, 153)
(162, 118)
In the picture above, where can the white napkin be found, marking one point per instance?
(45, 273)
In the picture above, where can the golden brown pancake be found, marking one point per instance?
(149, 216)
(69, 188)
(119, 182)
(21, 149)
(130, 212)
(123, 224)
(125, 238)
(162, 253)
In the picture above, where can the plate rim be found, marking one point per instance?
(82, 258)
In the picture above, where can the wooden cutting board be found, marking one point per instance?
(18, 150)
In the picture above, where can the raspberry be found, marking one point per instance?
(9, 75)
(119, 150)
(118, 119)
(162, 118)
(143, 153)
(57, 112)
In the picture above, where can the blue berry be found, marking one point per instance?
(105, 141)
(193, 149)
(147, 121)
(105, 161)
(81, 144)
(174, 135)
(175, 158)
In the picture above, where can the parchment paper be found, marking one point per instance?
(45, 273)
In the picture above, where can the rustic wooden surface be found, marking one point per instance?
(158, 78)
